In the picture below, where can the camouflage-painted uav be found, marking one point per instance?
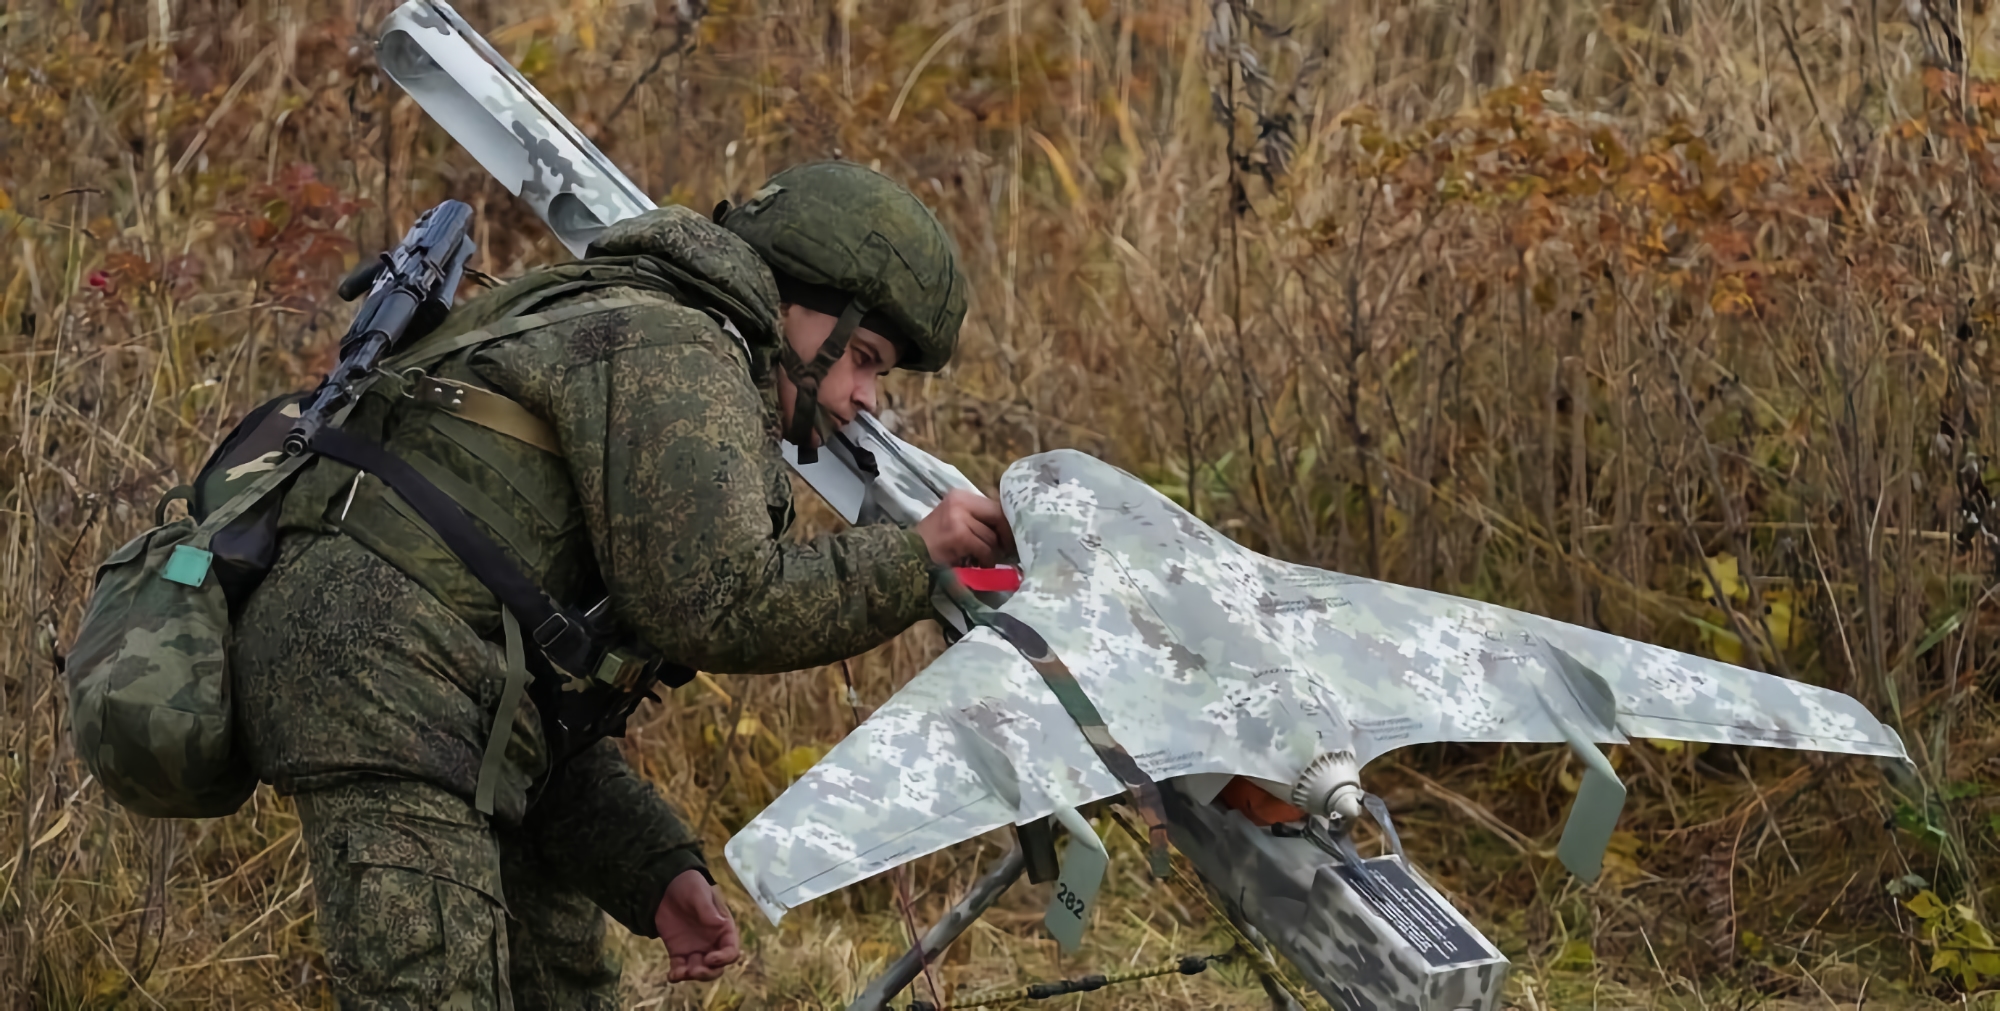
(1198, 660)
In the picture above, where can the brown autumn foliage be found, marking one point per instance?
(1672, 318)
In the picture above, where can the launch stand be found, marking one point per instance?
(985, 892)
(1365, 934)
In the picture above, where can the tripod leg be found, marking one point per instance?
(984, 892)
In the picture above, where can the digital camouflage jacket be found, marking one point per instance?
(370, 650)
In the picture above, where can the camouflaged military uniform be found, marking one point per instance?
(367, 668)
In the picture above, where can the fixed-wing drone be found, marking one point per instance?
(1207, 662)
(1145, 656)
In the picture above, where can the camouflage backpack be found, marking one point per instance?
(149, 682)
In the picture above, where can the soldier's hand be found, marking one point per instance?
(697, 929)
(966, 528)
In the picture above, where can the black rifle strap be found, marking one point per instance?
(565, 640)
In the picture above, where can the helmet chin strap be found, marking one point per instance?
(806, 376)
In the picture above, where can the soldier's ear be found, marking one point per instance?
(720, 210)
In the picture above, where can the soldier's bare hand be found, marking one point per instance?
(967, 528)
(697, 929)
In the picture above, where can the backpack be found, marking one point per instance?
(149, 680)
(148, 672)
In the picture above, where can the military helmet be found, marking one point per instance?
(836, 233)
(852, 243)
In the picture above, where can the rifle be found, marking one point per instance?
(867, 475)
(410, 289)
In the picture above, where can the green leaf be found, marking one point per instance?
(1307, 458)
(1945, 627)
(1971, 932)
(1919, 824)
(1945, 959)
(1926, 905)
(1907, 883)
(1962, 790)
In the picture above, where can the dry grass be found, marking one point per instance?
(1537, 301)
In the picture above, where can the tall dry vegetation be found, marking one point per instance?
(1670, 318)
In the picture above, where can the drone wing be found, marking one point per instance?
(1205, 657)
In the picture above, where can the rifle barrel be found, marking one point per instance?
(334, 393)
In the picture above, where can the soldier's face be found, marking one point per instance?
(850, 386)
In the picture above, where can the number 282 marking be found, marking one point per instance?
(1070, 900)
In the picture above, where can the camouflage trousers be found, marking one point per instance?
(414, 889)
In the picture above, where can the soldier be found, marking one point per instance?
(645, 467)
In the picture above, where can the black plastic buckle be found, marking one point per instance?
(560, 624)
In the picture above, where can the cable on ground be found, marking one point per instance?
(1186, 965)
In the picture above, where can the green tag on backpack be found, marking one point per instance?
(188, 565)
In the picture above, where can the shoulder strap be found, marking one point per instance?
(481, 407)
(563, 638)
(503, 718)
(430, 349)
(422, 353)
(546, 295)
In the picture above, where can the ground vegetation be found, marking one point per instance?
(1668, 317)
